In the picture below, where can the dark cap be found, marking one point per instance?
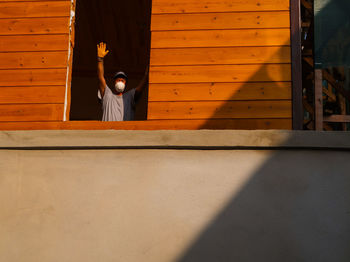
(120, 75)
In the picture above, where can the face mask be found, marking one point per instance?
(120, 87)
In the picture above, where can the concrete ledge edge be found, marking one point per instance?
(273, 139)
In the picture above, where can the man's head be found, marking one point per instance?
(120, 80)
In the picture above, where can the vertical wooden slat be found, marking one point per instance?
(296, 65)
(67, 102)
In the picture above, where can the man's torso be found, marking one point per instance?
(118, 108)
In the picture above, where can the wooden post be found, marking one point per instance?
(298, 110)
(318, 100)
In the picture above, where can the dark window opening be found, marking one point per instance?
(125, 27)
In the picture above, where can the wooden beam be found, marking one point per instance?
(244, 124)
(221, 38)
(220, 109)
(219, 91)
(298, 111)
(329, 92)
(195, 6)
(307, 5)
(226, 20)
(327, 76)
(308, 107)
(337, 118)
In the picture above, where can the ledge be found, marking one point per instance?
(201, 139)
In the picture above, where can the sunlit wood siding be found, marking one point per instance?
(223, 64)
(34, 38)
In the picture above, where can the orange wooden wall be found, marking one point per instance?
(34, 38)
(223, 63)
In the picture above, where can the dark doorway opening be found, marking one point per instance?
(125, 27)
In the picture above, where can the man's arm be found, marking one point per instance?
(141, 85)
(101, 53)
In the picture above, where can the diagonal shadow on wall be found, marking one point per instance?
(295, 207)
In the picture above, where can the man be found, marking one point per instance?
(117, 105)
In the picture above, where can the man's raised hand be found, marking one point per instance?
(101, 50)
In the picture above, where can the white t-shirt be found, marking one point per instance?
(118, 108)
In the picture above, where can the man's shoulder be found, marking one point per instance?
(130, 92)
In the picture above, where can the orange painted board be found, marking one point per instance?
(195, 6)
(233, 20)
(31, 112)
(23, 26)
(246, 124)
(220, 91)
(20, 60)
(34, 43)
(31, 0)
(32, 94)
(33, 77)
(220, 55)
(220, 109)
(34, 9)
(220, 73)
(221, 38)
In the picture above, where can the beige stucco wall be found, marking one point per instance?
(173, 205)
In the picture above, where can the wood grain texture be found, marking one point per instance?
(220, 55)
(247, 124)
(220, 91)
(220, 60)
(19, 60)
(220, 73)
(32, 94)
(34, 43)
(20, 26)
(219, 109)
(33, 59)
(195, 6)
(221, 38)
(31, 112)
(34, 9)
(35, 77)
(236, 20)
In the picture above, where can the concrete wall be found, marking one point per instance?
(162, 203)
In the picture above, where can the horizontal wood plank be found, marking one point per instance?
(168, 22)
(220, 91)
(35, 77)
(32, 94)
(34, 43)
(337, 118)
(221, 38)
(220, 55)
(18, 60)
(219, 109)
(245, 124)
(31, 112)
(34, 9)
(195, 6)
(52, 25)
(220, 73)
